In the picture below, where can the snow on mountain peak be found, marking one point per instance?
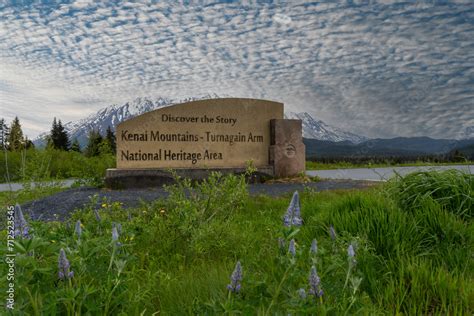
(317, 129)
(114, 114)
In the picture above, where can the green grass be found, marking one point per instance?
(43, 165)
(22, 196)
(39, 164)
(413, 238)
(312, 165)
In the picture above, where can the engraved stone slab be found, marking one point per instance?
(287, 151)
(200, 134)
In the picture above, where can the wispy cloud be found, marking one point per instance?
(381, 70)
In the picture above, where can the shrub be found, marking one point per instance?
(49, 164)
(453, 190)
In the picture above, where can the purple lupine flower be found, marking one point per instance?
(97, 216)
(63, 265)
(292, 248)
(302, 293)
(350, 251)
(297, 220)
(78, 229)
(293, 212)
(332, 232)
(21, 225)
(115, 234)
(295, 200)
(315, 283)
(314, 247)
(235, 278)
(351, 254)
(119, 227)
(287, 219)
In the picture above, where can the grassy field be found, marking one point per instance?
(22, 196)
(312, 165)
(46, 165)
(403, 248)
(43, 165)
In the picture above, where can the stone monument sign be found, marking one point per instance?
(199, 134)
(196, 137)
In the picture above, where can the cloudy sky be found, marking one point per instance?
(382, 69)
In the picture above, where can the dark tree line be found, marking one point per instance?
(4, 132)
(12, 139)
(452, 156)
(58, 137)
(98, 144)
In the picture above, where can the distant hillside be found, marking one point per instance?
(419, 144)
(400, 147)
(466, 151)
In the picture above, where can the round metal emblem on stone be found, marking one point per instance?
(290, 151)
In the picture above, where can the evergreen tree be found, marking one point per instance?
(29, 144)
(15, 138)
(59, 137)
(110, 137)
(53, 136)
(4, 132)
(49, 142)
(457, 156)
(94, 144)
(63, 140)
(75, 146)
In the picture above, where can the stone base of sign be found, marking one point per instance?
(287, 151)
(146, 178)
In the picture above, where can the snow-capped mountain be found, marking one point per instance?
(114, 114)
(317, 129)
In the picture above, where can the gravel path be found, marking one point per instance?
(60, 205)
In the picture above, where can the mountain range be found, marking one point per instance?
(114, 114)
(317, 129)
(395, 147)
(321, 139)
